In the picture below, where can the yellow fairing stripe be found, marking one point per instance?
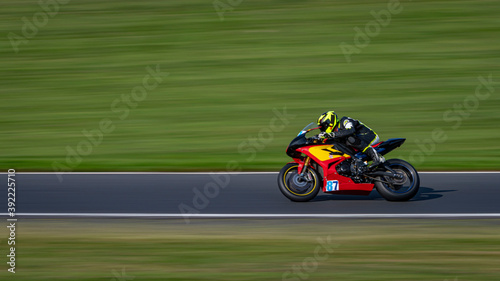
(323, 152)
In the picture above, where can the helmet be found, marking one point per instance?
(327, 121)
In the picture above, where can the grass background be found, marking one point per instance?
(226, 77)
(363, 250)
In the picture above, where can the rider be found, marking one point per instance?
(358, 134)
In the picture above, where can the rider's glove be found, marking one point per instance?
(327, 135)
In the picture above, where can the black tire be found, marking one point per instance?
(295, 190)
(403, 189)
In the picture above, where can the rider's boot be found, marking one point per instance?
(377, 158)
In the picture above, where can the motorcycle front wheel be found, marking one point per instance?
(399, 189)
(295, 187)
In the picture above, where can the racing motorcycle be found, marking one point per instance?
(339, 169)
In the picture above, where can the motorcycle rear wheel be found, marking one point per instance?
(399, 189)
(295, 188)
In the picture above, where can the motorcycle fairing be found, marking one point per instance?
(324, 152)
(328, 158)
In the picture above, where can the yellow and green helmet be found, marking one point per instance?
(327, 121)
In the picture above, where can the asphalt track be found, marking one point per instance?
(183, 195)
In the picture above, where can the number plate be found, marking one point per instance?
(332, 185)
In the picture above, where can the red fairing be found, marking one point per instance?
(339, 183)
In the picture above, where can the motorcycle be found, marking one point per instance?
(339, 169)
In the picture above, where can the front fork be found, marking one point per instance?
(302, 170)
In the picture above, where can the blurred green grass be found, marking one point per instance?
(256, 250)
(226, 77)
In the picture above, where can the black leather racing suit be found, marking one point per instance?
(357, 134)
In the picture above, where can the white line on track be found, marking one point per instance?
(211, 173)
(145, 173)
(291, 216)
